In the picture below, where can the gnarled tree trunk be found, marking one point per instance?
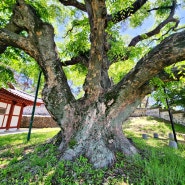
(92, 125)
(89, 132)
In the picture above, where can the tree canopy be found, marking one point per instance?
(154, 20)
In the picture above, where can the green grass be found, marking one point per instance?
(36, 162)
(150, 125)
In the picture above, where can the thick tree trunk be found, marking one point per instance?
(95, 136)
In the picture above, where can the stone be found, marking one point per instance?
(144, 136)
(156, 135)
(171, 136)
(173, 144)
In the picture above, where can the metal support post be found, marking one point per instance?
(33, 110)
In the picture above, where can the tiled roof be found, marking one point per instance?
(24, 95)
(18, 96)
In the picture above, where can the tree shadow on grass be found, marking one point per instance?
(152, 166)
(31, 167)
(178, 127)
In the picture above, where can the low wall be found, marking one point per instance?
(139, 112)
(39, 121)
(178, 117)
(39, 110)
(46, 121)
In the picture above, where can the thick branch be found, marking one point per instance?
(74, 3)
(97, 69)
(9, 38)
(11, 26)
(169, 51)
(124, 14)
(130, 106)
(41, 46)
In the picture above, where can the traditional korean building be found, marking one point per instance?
(12, 103)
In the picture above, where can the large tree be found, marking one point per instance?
(92, 125)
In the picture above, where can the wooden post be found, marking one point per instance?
(10, 115)
(20, 116)
(2, 123)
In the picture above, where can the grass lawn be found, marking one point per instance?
(36, 162)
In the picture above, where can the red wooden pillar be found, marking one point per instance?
(20, 116)
(10, 115)
(4, 116)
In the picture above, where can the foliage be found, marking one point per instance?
(115, 5)
(76, 77)
(5, 11)
(6, 75)
(120, 69)
(73, 32)
(76, 38)
(173, 91)
(138, 18)
(22, 68)
(21, 63)
(175, 94)
(160, 94)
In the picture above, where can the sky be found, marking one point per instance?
(149, 22)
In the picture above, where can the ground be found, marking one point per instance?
(36, 162)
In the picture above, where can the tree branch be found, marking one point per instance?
(124, 14)
(160, 8)
(75, 4)
(81, 58)
(41, 46)
(8, 38)
(12, 27)
(155, 31)
(168, 52)
(171, 50)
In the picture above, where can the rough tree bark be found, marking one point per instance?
(92, 125)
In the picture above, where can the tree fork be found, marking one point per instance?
(91, 126)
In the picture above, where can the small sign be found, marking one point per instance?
(2, 110)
